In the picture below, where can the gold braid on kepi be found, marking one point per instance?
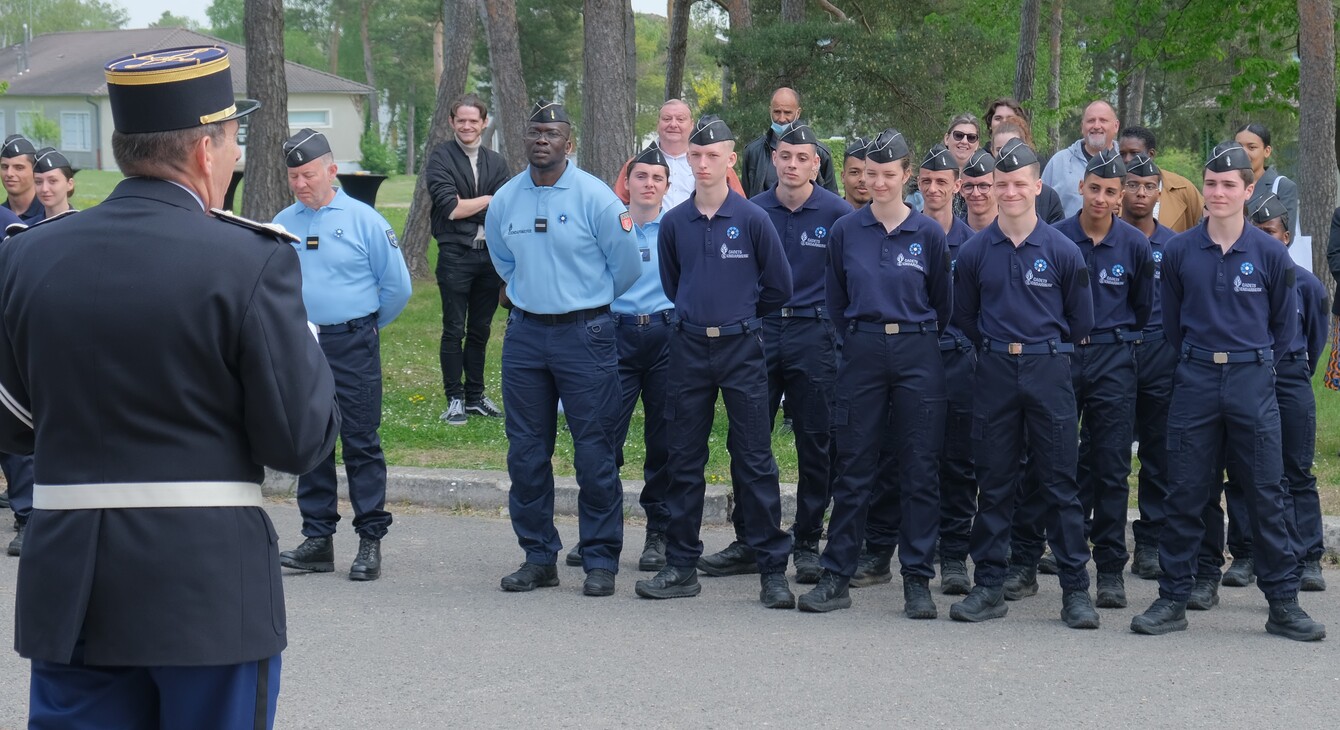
(173, 88)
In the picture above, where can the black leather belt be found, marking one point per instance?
(957, 343)
(350, 326)
(725, 330)
(892, 328)
(801, 313)
(665, 316)
(1041, 348)
(1228, 358)
(1113, 337)
(1300, 355)
(581, 315)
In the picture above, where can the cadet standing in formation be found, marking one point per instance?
(564, 245)
(757, 173)
(724, 267)
(18, 157)
(354, 282)
(174, 363)
(975, 181)
(1228, 308)
(854, 190)
(54, 180)
(1179, 205)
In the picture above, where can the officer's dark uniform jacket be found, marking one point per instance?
(153, 343)
(449, 178)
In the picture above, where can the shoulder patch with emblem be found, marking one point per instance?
(269, 229)
(391, 239)
(14, 229)
(626, 221)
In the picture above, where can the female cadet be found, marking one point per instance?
(889, 296)
(1255, 138)
(54, 179)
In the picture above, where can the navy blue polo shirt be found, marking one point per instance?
(898, 276)
(1033, 293)
(1313, 317)
(1157, 242)
(1237, 301)
(958, 233)
(805, 233)
(726, 269)
(1121, 273)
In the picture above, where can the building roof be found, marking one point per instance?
(71, 64)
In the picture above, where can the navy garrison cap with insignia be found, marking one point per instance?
(1269, 208)
(1015, 155)
(710, 129)
(798, 132)
(49, 159)
(17, 145)
(305, 146)
(938, 159)
(548, 112)
(1142, 165)
(173, 88)
(651, 156)
(1227, 157)
(856, 147)
(1106, 164)
(980, 164)
(889, 146)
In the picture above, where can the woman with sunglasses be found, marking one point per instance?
(962, 140)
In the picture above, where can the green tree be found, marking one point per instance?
(168, 20)
(52, 16)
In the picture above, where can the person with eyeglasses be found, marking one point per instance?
(962, 139)
(1121, 275)
(564, 244)
(1013, 127)
(1179, 204)
(975, 189)
(1155, 361)
(1021, 295)
(757, 173)
(1066, 169)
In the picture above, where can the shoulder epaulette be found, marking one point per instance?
(14, 229)
(269, 229)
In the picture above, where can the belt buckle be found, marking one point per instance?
(788, 311)
(891, 328)
(713, 331)
(642, 319)
(1220, 358)
(1016, 348)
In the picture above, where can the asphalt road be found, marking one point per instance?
(436, 644)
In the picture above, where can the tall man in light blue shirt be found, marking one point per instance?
(564, 245)
(354, 282)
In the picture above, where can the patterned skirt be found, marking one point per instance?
(1332, 377)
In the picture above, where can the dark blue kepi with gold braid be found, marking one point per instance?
(173, 88)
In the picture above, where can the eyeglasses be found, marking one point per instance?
(1135, 187)
(548, 135)
(972, 137)
(970, 188)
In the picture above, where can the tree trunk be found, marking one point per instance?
(741, 17)
(607, 115)
(1134, 109)
(266, 192)
(1025, 66)
(1316, 120)
(439, 49)
(374, 104)
(410, 148)
(677, 47)
(460, 18)
(793, 11)
(509, 88)
(1054, 80)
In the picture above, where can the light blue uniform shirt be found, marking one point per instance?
(583, 260)
(646, 296)
(355, 267)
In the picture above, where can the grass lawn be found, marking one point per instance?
(413, 399)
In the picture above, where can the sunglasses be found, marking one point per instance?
(972, 137)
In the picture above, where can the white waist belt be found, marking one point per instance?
(123, 495)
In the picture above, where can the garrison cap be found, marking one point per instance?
(173, 88)
(980, 164)
(1142, 165)
(548, 112)
(710, 129)
(856, 147)
(305, 146)
(17, 145)
(650, 156)
(1228, 156)
(1015, 155)
(49, 159)
(798, 132)
(1106, 164)
(1269, 208)
(938, 159)
(889, 146)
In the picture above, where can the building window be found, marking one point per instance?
(3, 133)
(75, 133)
(309, 118)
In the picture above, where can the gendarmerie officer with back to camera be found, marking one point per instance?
(723, 266)
(1229, 309)
(175, 362)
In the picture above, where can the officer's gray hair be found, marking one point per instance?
(158, 154)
